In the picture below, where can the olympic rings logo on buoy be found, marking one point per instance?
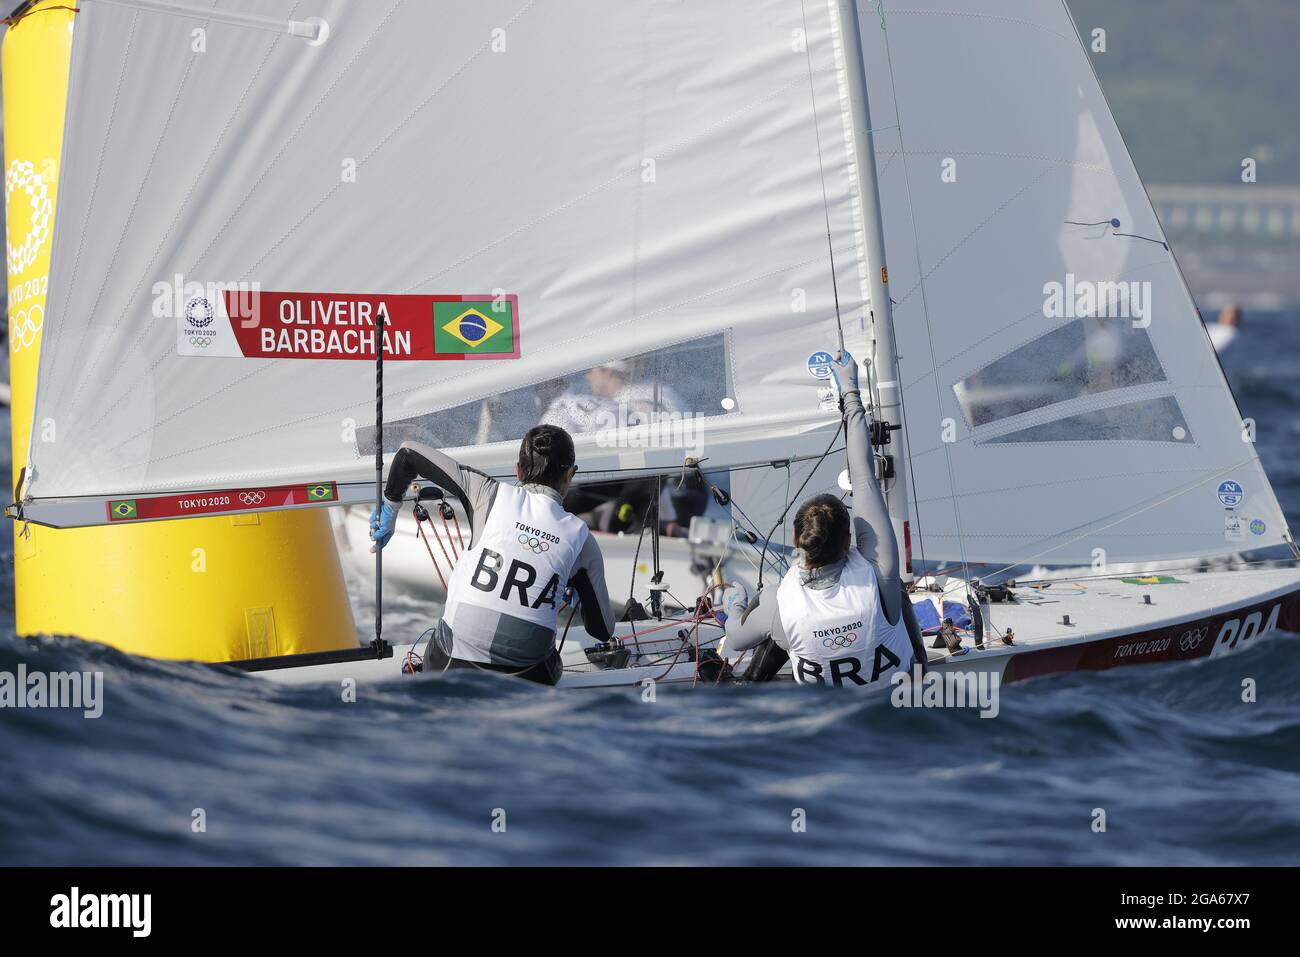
(536, 544)
(22, 176)
(24, 324)
(252, 498)
(840, 641)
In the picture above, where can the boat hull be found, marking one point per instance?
(1218, 613)
(1201, 637)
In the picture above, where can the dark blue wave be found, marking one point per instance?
(1186, 772)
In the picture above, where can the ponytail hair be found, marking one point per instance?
(821, 530)
(545, 454)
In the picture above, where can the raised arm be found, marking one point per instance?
(873, 531)
(470, 487)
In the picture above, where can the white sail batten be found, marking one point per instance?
(524, 192)
(1063, 404)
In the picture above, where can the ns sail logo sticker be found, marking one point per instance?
(819, 365)
(1231, 494)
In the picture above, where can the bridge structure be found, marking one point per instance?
(1244, 211)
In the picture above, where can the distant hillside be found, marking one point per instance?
(1196, 85)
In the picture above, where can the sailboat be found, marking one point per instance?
(513, 193)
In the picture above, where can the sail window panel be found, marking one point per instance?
(1151, 420)
(668, 387)
(1081, 358)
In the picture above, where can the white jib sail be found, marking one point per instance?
(526, 190)
(1063, 402)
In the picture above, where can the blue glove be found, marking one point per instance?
(569, 598)
(846, 372)
(382, 521)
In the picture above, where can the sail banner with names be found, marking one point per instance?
(295, 325)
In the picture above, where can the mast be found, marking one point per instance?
(889, 397)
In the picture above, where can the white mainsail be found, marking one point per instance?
(1041, 428)
(642, 184)
(646, 184)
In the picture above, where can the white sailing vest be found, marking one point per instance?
(839, 636)
(505, 591)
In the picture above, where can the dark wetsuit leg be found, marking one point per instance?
(769, 657)
(546, 672)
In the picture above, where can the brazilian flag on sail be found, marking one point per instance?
(485, 327)
(121, 509)
(322, 492)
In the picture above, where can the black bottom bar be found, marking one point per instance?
(376, 650)
(1140, 905)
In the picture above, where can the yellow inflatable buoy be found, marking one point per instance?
(210, 589)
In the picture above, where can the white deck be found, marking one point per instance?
(1098, 610)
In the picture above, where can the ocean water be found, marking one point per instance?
(418, 771)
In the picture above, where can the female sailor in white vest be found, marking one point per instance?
(841, 616)
(524, 551)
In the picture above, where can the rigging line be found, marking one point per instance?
(785, 537)
(821, 170)
(654, 531)
(1115, 224)
(754, 545)
(753, 526)
(596, 476)
(911, 472)
(1158, 242)
(925, 310)
(419, 527)
(379, 476)
(636, 558)
(768, 538)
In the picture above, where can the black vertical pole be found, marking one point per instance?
(379, 472)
